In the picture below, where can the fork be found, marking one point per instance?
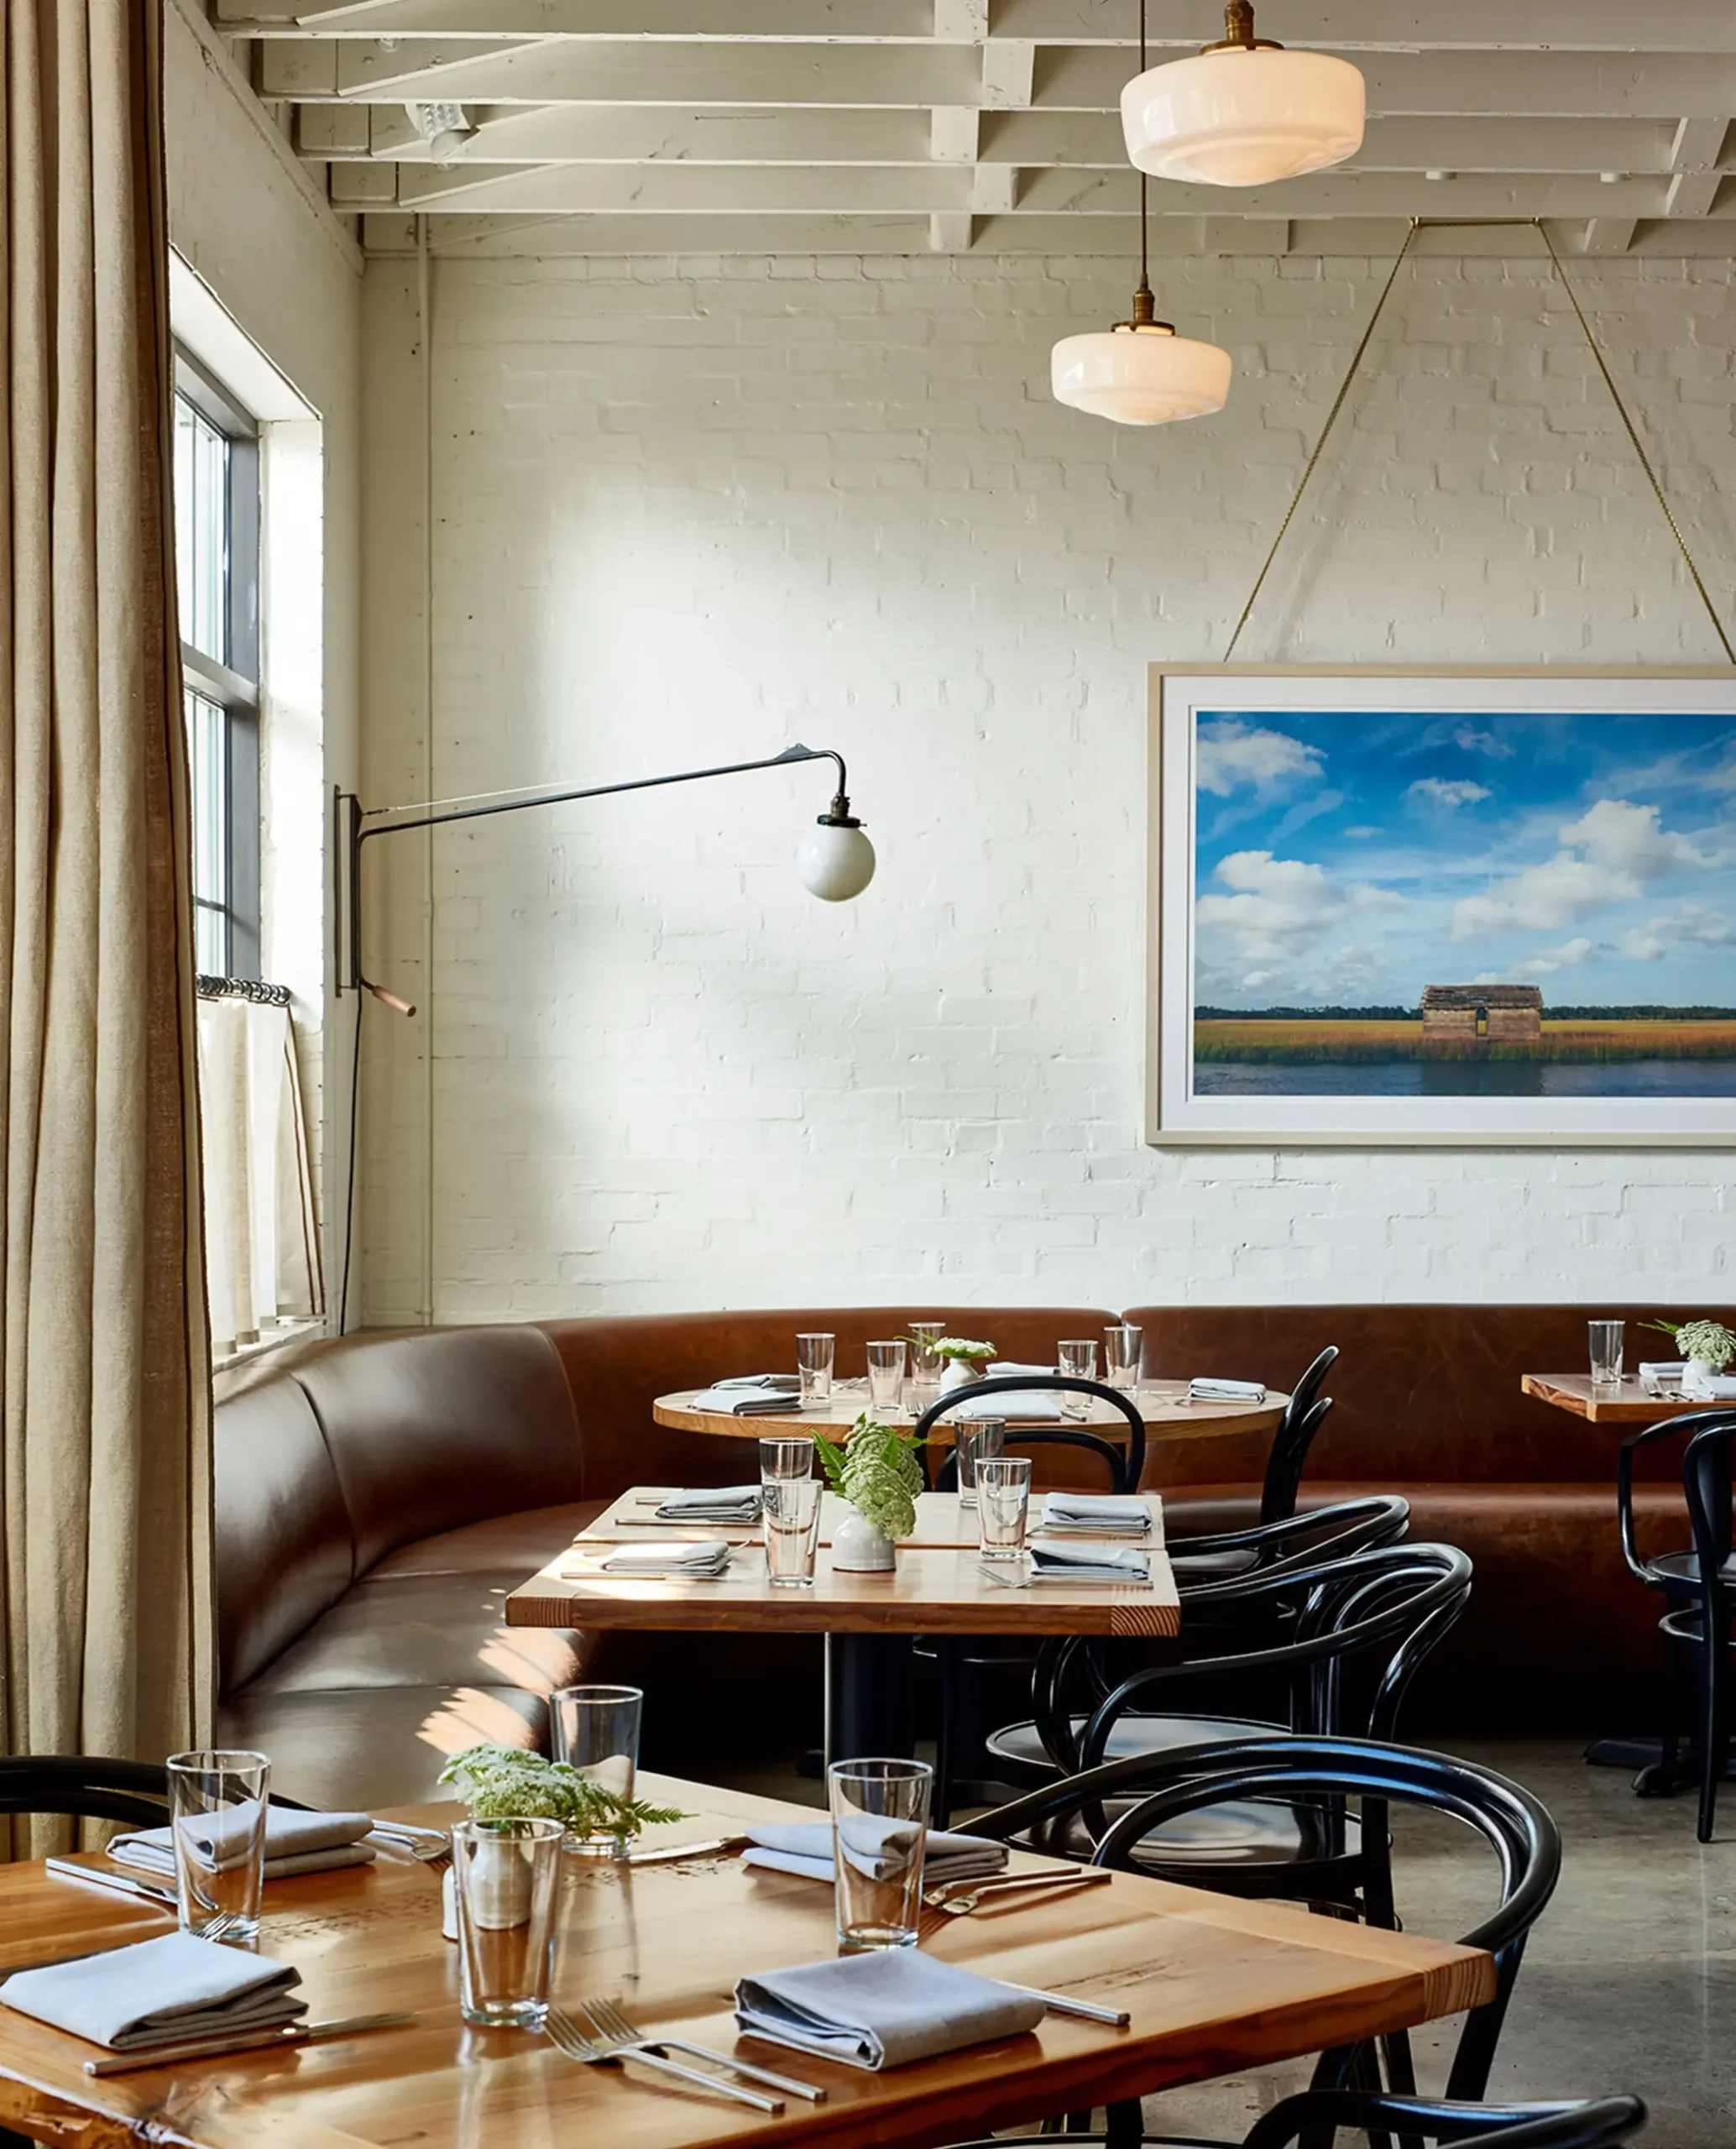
(565, 2034)
(615, 2025)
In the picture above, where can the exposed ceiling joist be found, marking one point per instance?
(956, 125)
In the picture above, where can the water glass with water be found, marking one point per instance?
(1003, 1502)
(216, 1815)
(924, 1359)
(886, 1375)
(879, 1829)
(1122, 1342)
(975, 1440)
(814, 1356)
(505, 1884)
(595, 1730)
(1078, 1360)
(1606, 1353)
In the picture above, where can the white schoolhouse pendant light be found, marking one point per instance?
(1244, 112)
(1140, 372)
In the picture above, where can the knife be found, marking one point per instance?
(714, 1847)
(121, 1884)
(300, 2033)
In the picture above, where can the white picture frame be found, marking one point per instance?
(1182, 1111)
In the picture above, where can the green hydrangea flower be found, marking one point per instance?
(505, 1783)
(1709, 1340)
(878, 1472)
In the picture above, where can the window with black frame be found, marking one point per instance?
(217, 527)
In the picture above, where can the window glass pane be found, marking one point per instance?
(202, 529)
(207, 758)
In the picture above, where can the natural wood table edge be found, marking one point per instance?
(1626, 1404)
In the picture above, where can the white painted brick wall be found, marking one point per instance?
(692, 510)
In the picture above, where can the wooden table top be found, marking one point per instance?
(1626, 1404)
(939, 1521)
(1163, 1404)
(1214, 1985)
(933, 1590)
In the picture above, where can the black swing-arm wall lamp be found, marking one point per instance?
(836, 860)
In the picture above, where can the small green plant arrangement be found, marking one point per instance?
(505, 1783)
(959, 1350)
(878, 1472)
(1708, 1340)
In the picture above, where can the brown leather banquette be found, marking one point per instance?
(377, 1497)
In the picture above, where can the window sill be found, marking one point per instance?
(272, 1338)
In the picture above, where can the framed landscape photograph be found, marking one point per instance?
(1445, 908)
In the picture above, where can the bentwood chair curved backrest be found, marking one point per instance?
(1706, 1480)
(1143, 1792)
(1304, 1416)
(1318, 2117)
(1125, 1466)
(91, 1787)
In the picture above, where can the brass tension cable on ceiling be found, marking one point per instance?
(1481, 223)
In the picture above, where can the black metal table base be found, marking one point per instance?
(871, 1696)
(1645, 1757)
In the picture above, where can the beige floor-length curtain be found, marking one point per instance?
(104, 1476)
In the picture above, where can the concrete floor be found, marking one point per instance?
(1628, 1982)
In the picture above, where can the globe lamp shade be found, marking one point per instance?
(1140, 376)
(1243, 115)
(836, 859)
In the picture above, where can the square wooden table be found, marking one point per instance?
(941, 1520)
(1213, 1984)
(1625, 1402)
(870, 1621)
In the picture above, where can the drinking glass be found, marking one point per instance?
(217, 1812)
(1003, 1500)
(1120, 1355)
(785, 1455)
(886, 1375)
(879, 1827)
(975, 1440)
(814, 1362)
(595, 1730)
(924, 1365)
(791, 1507)
(1079, 1361)
(506, 1876)
(1606, 1341)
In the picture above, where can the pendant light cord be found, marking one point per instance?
(1417, 224)
(1144, 182)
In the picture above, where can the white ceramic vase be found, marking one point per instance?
(500, 1899)
(961, 1373)
(858, 1548)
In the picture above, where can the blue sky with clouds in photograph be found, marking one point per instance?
(1355, 858)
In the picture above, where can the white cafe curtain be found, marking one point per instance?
(261, 1244)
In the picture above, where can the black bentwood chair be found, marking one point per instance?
(1385, 1610)
(1704, 1625)
(92, 1787)
(1123, 1804)
(1316, 2120)
(968, 1665)
(1676, 1575)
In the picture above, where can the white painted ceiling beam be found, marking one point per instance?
(1694, 153)
(1565, 85)
(1609, 234)
(998, 191)
(1559, 26)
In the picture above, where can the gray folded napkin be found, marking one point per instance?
(1708, 1388)
(1010, 1369)
(704, 1562)
(877, 1847)
(1096, 1514)
(295, 1842)
(1074, 1563)
(787, 1384)
(881, 2010)
(159, 1993)
(711, 1504)
(745, 1402)
(1206, 1390)
(1018, 1406)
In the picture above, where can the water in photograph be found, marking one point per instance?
(1471, 1078)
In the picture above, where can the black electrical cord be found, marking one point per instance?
(349, 1190)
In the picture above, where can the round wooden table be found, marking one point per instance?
(1163, 1403)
